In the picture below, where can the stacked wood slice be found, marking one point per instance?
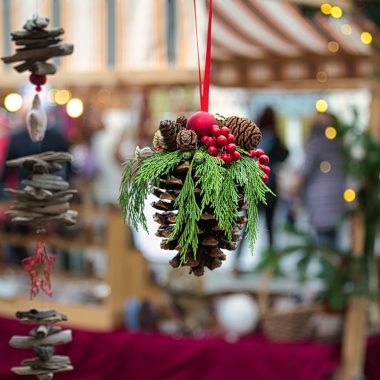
(36, 45)
(46, 195)
(212, 239)
(42, 339)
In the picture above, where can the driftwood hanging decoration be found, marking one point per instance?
(42, 339)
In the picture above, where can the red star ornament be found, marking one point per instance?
(39, 267)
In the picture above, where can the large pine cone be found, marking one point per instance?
(168, 134)
(211, 237)
(247, 133)
(187, 140)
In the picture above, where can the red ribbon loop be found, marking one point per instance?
(204, 87)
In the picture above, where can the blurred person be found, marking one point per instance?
(322, 181)
(277, 152)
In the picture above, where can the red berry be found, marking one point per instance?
(264, 159)
(230, 148)
(215, 130)
(226, 158)
(204, 140)
(265, 169)
(265, 178)
(219, 156)
(259, 152)
(252, 153)
(231, 139)
(212, 150)
(225, 131)
(221, 140)
(235, 156)
(210, 141)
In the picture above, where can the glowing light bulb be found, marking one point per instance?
(333, 46)
(325, 167)
(13, 102)
(366, 38)
(62, 97)
(346, 29)
(349, 195)
(336, 12)
(321, 105)
(330, 133)
(326, 8)
(74, 108)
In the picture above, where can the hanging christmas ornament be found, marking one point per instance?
(35, 46)
(42, 340)
(207, 181)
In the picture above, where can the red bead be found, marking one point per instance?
(215, 130)
(212, 150)
(265, 178)
(259, 152)
(226, 158)
(235, 156)
(225, 131)
(264, 159)
(200, 122)
(230, 148)
(204, 140)
(231, 139)
(265, 169)
(38, 80)
(221, 140)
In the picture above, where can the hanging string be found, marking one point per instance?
(204, 87)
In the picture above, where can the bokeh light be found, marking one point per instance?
(321, 105)
(330, 133)
(74, 108)
(326, 8)
(349, 195)
(51, 95)
(62, 96)
(333, 46)
(325, 167)
(366, 38)
(336, 12)
(13, 102)
(346, 29)
(322, 76)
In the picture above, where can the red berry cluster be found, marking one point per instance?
(221, 143)
(263, 162)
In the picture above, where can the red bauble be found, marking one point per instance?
(221, 140)
(225, 131)
(265, 169)
(231, 139)
(213, 150)
(200, 122)
(265, 178)
(215, 130)
(264, 159)
(235, 156)
(226, 158)
(230, 148)
(204, 140)
(259, 152)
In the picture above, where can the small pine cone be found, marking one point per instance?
(156, 140)
(182, 121)
(169, 130)
(247, 133)
(187, 140)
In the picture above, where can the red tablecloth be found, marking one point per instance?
(134, 356)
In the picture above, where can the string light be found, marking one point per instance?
(333, 46)
(61, 97)
(336, 12)
(325, 167)
(321, 105)
(13, 102)
(74, 107)
(330, 133)
(349, 195)
(321, 76)
(366, 38)
(326, 8)
(346, 29)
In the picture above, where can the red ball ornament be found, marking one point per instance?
(225, 131)
(215, 130)
(264, 159)
(221, 140)
(231, 139)
(226, 158)
(200, 122)
(259, 152)
(265, 169)
(204, 140)
(212, 150)
(265, 178)
(37, 80)
(230, 148)
(235, 156)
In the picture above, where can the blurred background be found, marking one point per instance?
(307, 72)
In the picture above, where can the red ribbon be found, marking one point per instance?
(204, 87)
